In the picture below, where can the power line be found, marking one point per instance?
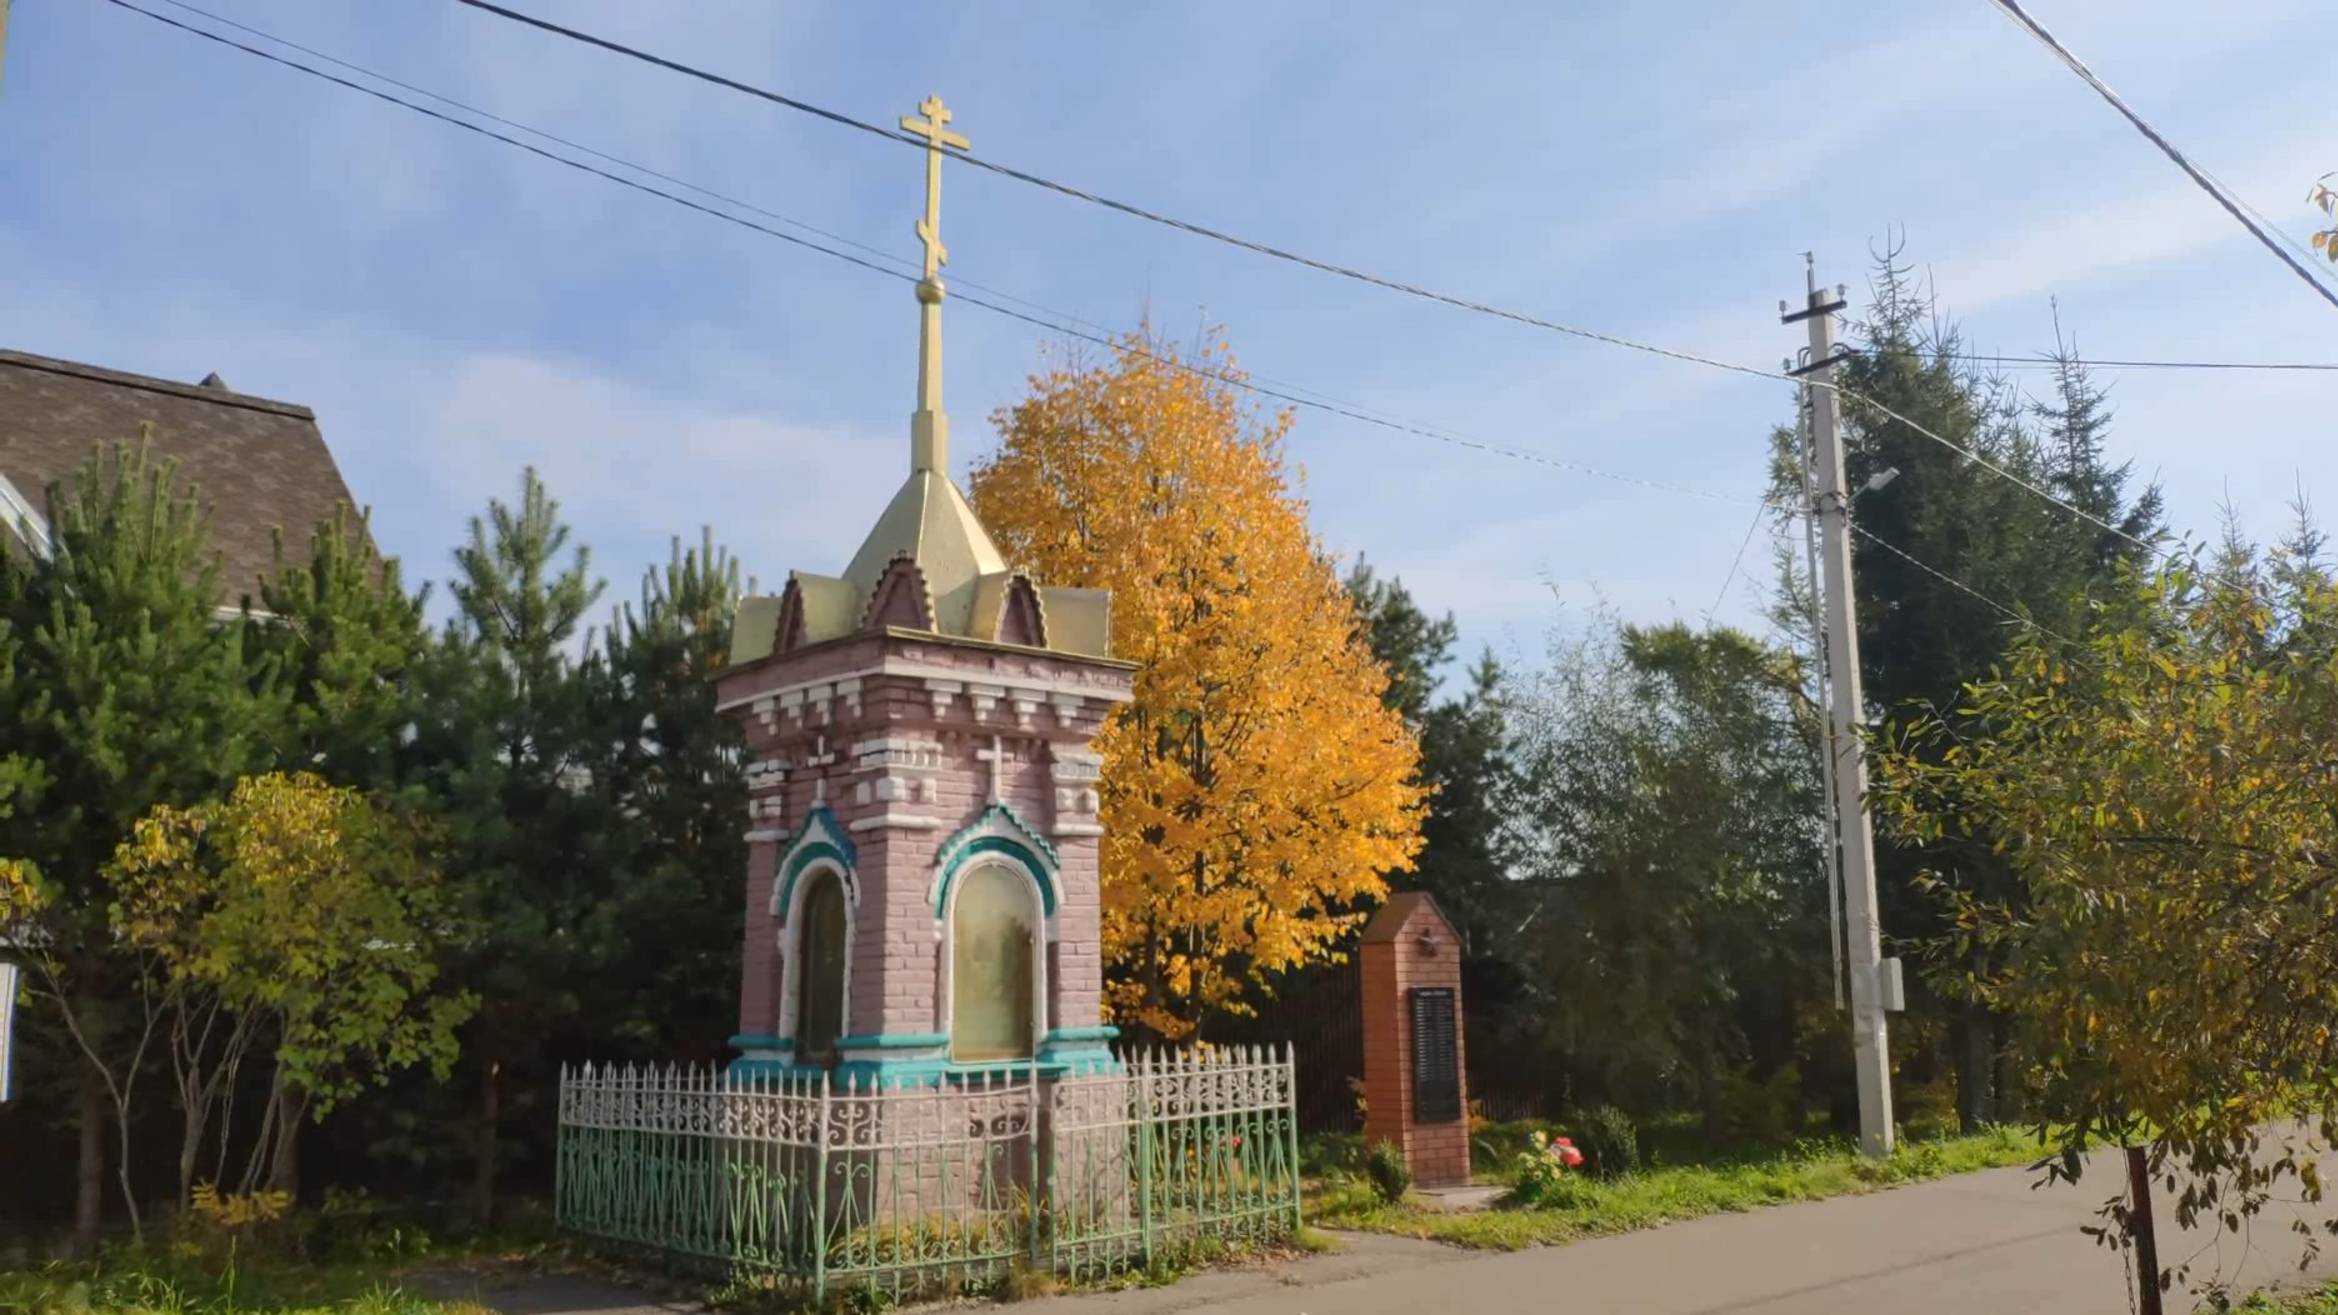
(1110, 203)
(1262, 248)
(2199, 178)
(2048, 363)
(1289, 393)
(1737, 561)
(1952, 582)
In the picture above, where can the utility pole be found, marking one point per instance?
(1874, 985)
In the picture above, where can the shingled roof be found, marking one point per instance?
(257, 464)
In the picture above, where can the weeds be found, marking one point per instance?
(1805, 1171)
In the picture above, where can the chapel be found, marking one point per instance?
(923, 832)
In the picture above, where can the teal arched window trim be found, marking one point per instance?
(823, 838)
(999, 834)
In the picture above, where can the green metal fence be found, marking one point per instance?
(913, 1189)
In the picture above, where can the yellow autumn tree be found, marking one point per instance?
(1256, 790)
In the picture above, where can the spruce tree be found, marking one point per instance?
(1935, 552)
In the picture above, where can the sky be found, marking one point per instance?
(455, 310)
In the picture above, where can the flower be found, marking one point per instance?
(1572, 1156)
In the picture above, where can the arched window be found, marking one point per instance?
(820, 972)
(994, 932)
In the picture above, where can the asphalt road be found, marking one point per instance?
(1983, 1242)
(1977, 1244)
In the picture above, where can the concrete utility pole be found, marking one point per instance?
(1873, 984)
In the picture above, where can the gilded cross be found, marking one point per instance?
(934, 128)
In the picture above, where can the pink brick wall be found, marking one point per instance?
(897, 963)
(759, 976)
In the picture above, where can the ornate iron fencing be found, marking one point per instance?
(914, 1189)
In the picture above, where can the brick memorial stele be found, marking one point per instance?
(1416, 1092)
(918, 729)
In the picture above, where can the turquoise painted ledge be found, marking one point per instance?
(893, 1041)
(773, 1068)
(745, 1041)
(1102, 1032)
(888, 1074)
(1079, 1061)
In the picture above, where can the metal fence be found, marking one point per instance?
(914, 1190)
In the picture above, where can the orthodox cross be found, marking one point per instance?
(934, 129)
(996, 756)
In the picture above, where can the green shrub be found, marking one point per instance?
(1391, 1177)
(1501, 1143)
(1322, 1154)
(1765, 1112)
(1610, 1142)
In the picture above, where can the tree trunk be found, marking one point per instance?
(284, 1163)
(2142, 1232)
(1709, 1102)
(1970, 1035)
(190, 1141)
(90, 1184)
(490, 1117)
(2009, 1102)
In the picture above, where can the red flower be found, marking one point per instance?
(1571, 1157)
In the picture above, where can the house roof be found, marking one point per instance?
(257, 464)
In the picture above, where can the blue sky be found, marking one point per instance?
(454, 309)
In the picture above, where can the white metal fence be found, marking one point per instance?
(912, 1189)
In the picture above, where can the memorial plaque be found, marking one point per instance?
(1436, 1056)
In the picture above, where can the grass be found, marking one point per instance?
(140, 1284)
(2321, 1300)
(346, 1259)
(1806, 1171)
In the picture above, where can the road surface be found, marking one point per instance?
(1982, 1243)
(1977, 1244)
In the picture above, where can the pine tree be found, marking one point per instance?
(676, 773)
(505, 746)
(128, 692)
(349, 642)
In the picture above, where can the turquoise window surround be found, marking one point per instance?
(1025, 847)
(1101, 1032)
(822, 837)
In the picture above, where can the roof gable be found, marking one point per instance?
(258, 465)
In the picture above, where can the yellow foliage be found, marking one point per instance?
(21, 892)
(303, 901)
(235, 1212)
(1256, 790)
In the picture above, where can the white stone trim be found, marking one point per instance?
(897, 754)
(901, 821)
(30, 526)
(1062, 693)
(1078, 829)
(791, 941)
